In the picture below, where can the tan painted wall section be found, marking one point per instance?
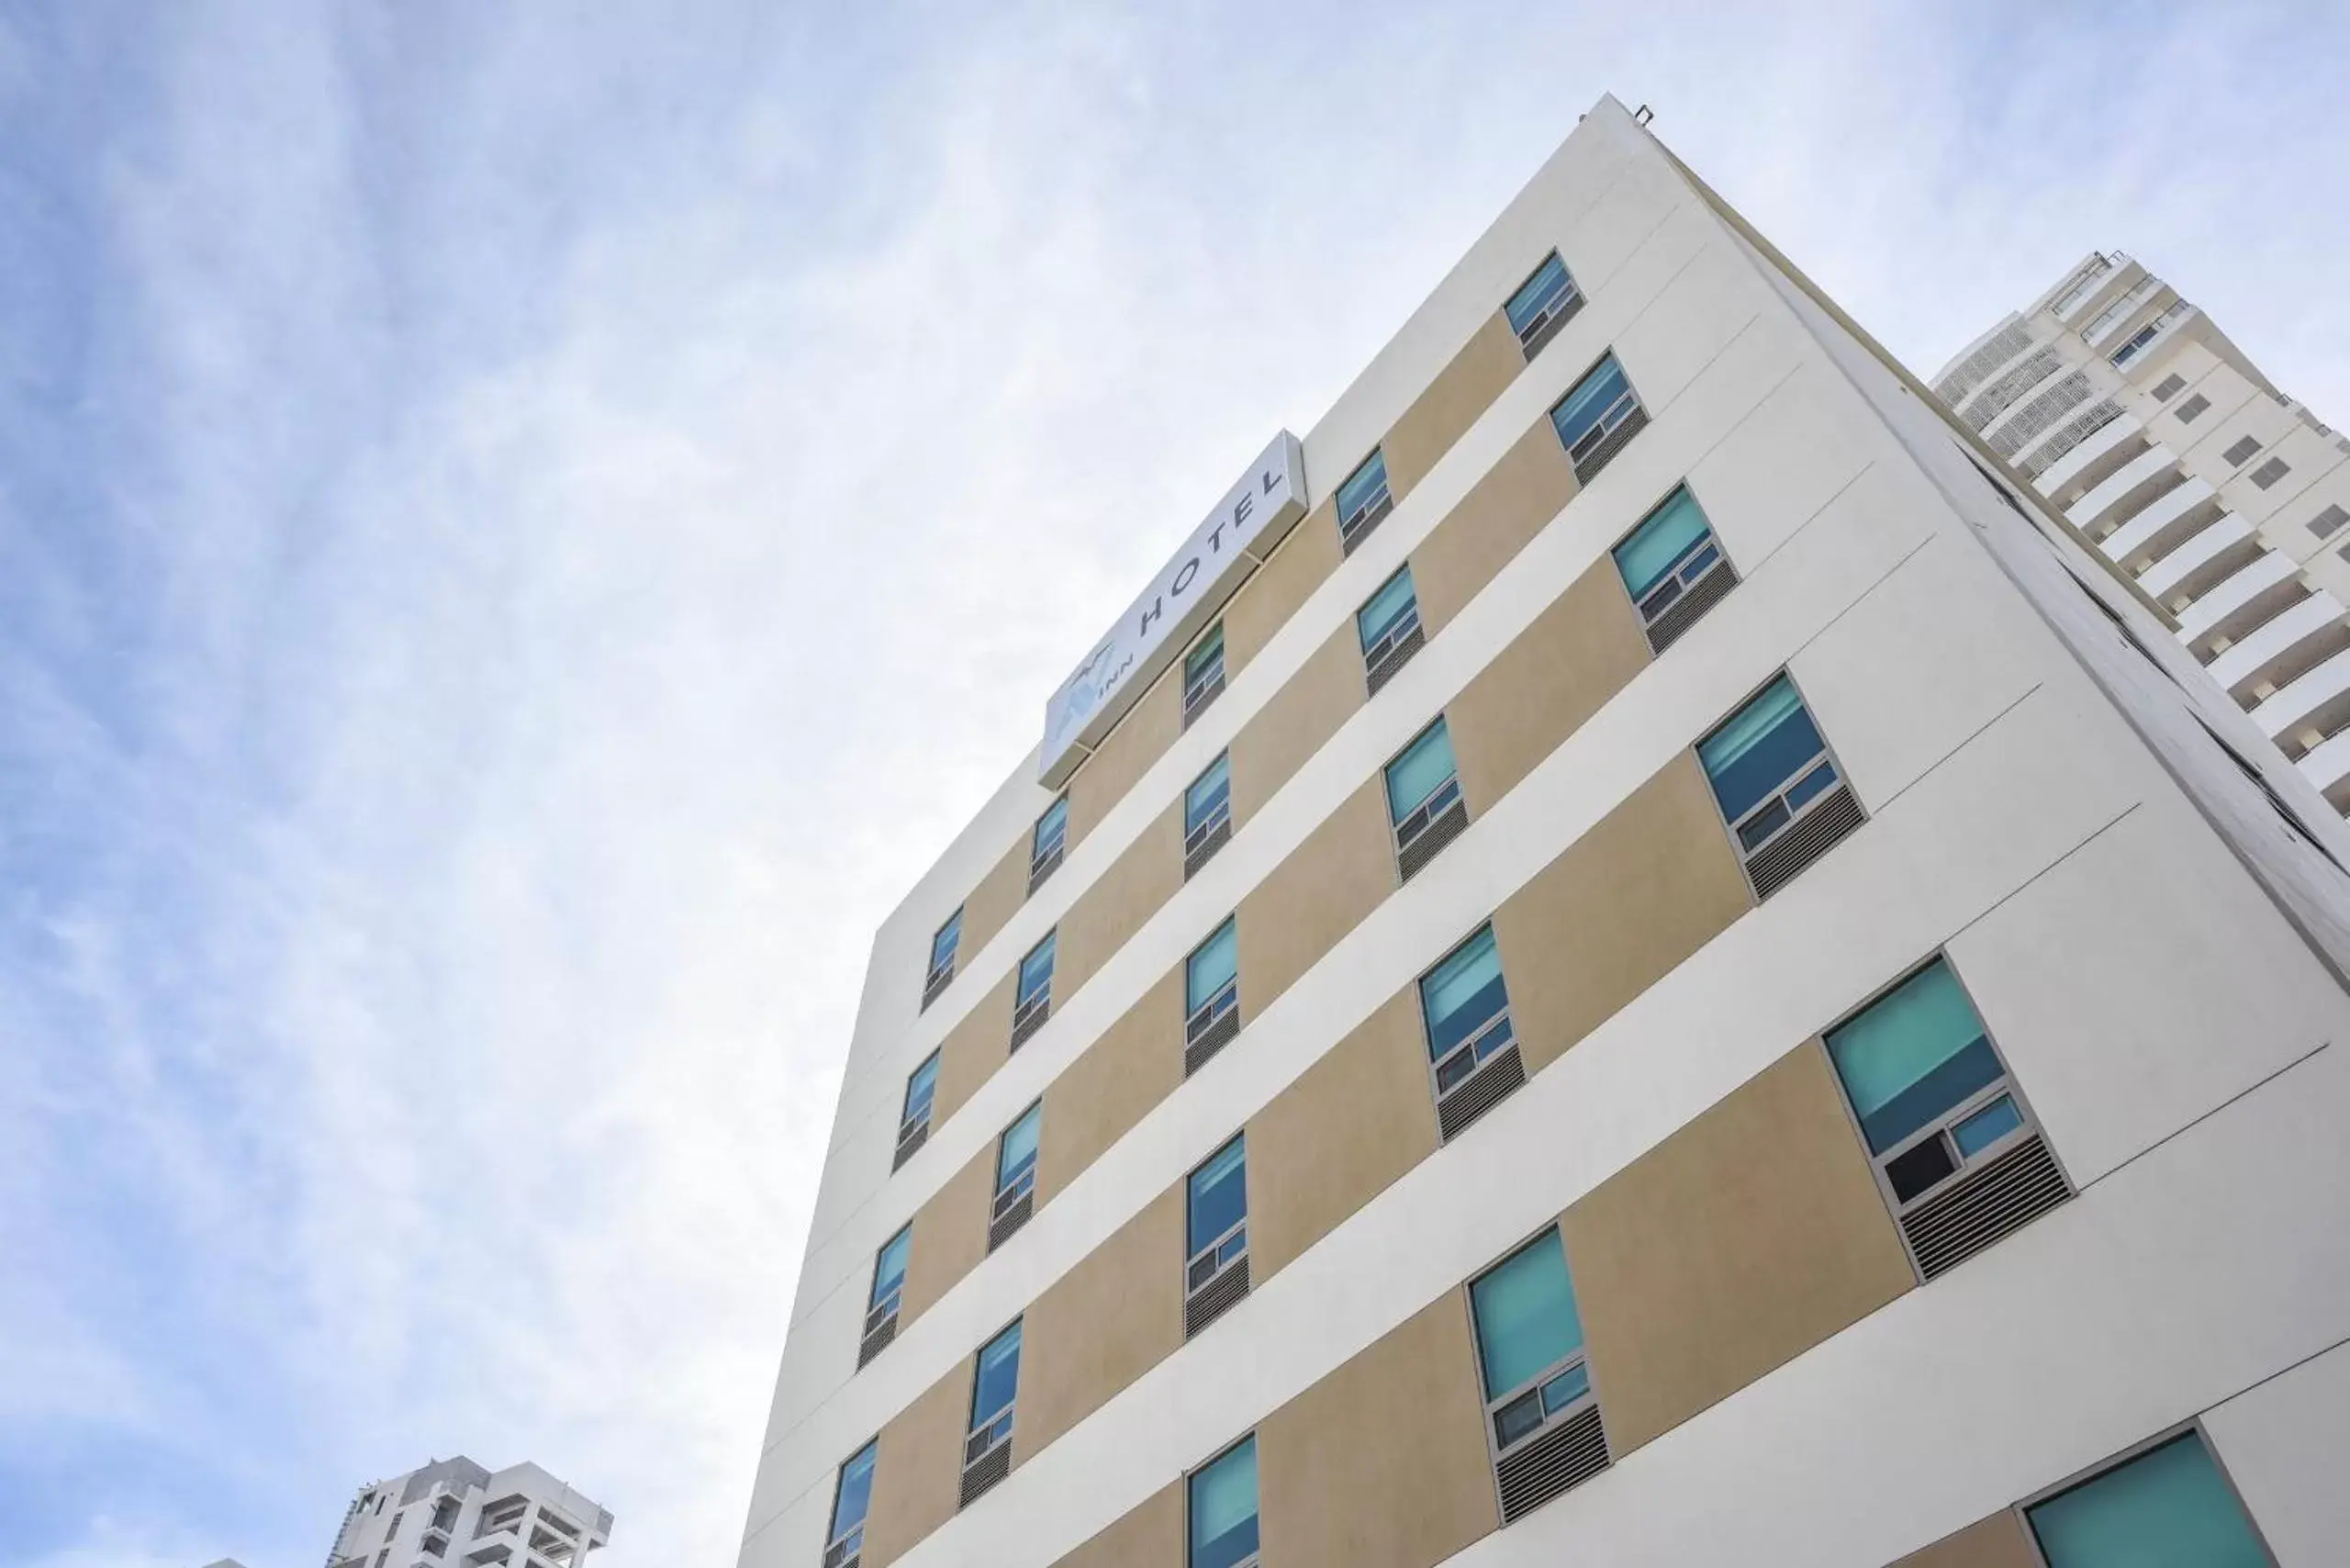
(1114, 907)
(1650, 884)
(918, 1469)
(1996, 1543)
(950, 1235)
(1740, 1242)
(1582, 650)
(1519, 495)
(1342, 871)
(1097, 1328)
(1292, 726)
(1345, 1130)
(993, 903)
(1098, 1098)
(1150, 1535)
(1398, 1434)
(1139, 739)
(1460, 392)
(978, 1044)
(1280, 585)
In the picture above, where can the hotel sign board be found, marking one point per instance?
(1253, 517)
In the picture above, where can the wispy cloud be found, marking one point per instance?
(520, 536)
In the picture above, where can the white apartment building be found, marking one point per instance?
(1633, 955)
(453, 1512)
(2227, 501)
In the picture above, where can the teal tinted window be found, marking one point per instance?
(1208, 795)
(1051, 828)
(1761, 747)
(1911, 1055)
(854, 1495)
(2170, 1508)
(1205, 659)
(1037, 969)
(942, 947)
(1387, 610)
(1423, 768)
(1459, 994)
(1218, 1195)
(1548, 286)
(1594, 396)
(1017, 1155)
(1223, 1508)
(1364, 487)
(1212, 965)
(1526, 1316)
(890, 1266)
(1656, 547)
(920, 1089)
(997, 1382)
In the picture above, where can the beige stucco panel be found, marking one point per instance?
(994, 901)
(1510, 505)
(1293, 725)
(1650, 884)
(973, 1049)
(1097, 1328)
(1583, 649)
(1098, 1098)
(1149, 1535)
(1996, 1543)
(918, 1469)
(950, 1235)
(1345, 1130)
(1340, 874)
(1462, 391)
(1126, 753)
(1740, 1242)
(1296, 567)
(1119, 901)
(1382, 1464)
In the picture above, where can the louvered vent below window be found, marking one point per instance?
(981, 1474)
(1204, 843)
(846, 1553)
(1031, 1018)
(1010, 1218)
(1393, 656)
(1353, 530)
(910, 1139)
(1044, 869)
(1545, 327)
(1218, 1296)
(1814, 833)
(1420, 841)
(1590, 461)
(1545, 1465)
(1199, 1047)
(1673, 619)
(880, 1327)
(1492, 1082)
(937, 982)
(1197, 697)
(1996, 1201)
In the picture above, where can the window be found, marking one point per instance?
(1472, 1049)
(1211, 995)
(2327, 523)
(1673, 569)
(2168, 388)
(2137, 340)
(913, 1121)
(941, 956)
(1543, 304)
(1597, 417)
(889, 1288)
(1207, 815)
(1215, 1229)
(1032, 1000)
(1389, 629)
(1423, 799)
(852, 1496)
(1223, 1508)
(2242, 452)
(1204, 674)
(2192, 408)
(1363, 500)
(1541, 1419)
(1778, 788)
(2269, 473)
(1016, 1176)
(995, 1388)
(1940, 1114)
(1047, 841)
(2169, 1508)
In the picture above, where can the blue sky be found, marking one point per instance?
(522, 530)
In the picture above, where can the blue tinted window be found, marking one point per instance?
(997, 1382)
(1763, 746)
(1050, 828)
(1016, 1154)
(1223, 1508)
(1364, 487)
(854, 1494)
(1212, 965)
(1462, 992)
(942, 947)
(1657, 547)
(890, 1266)
(1387, 610)
(1419, 772)
(1911, 1055)
(1582, 409)
(1207, 656)
(1526, 1315)
(2170, 1508)
(1548, 285)
(1219, 1196)
(921, 1088)
(1037, 969)
(1207, 794)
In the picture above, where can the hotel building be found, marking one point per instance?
(1636, 954)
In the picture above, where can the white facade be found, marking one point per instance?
(453, 1512)
(2157, 950)
(2227, 501)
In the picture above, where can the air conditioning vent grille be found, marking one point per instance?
(1213, 1038)
(846, 1553)
(1540, 333)
(1358, 528)
(983, 1473)
(1027, 1022)
(877, 1339)
(1684, 612)
(1044, 869)
(1812, 835)
(1200, 854)
(1197, 698)
(1481, 1091)
(1994, 1201)
(1216, 1297)
(909, 1140)
(936, 983)
(1432, 839)
(1540, 1469)
(1604, 451)
(1393, 658)
(1000, 1229)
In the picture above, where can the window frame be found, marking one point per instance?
(1426, 807)
(943, 969)
(1629, 423)
(1205, 671)
(1045, 859)
(1494, 1404)
(873, 1302)
(1500, 1020)
(834, 1548)
(1682, 565)
(2192, 1426)
(1227, 997)
(1021, 1181)
(1400, 635)
(1356, 526)
(1007, 1414)
(1215, 1248)
(1536, 334)
(1843, 775)
(1030, 1009)
(930, 1097)
(1192, 1473)
(1202, 839)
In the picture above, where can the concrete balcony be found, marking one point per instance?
(2313, 616)
(2140, 532)
(2181, 563)
(2283, 710)
(2096, 284)
(2110, 324)
(2328, 764)
(2207, 612)
(2083, 457)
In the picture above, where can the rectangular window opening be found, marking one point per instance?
(1215, 1229)
(1473, 1057)
(1388, 628)
(1363, 502)
(852, 1498)
(1047, 842)
(1597, 417)
(943, 947)
(2170, 1503)
(1221, 1509)
(995, 1389)
(1544, 1429)
(1032, 1000)
(1543, 303)
(1424, 800)
(1778, 787)
(913, 1120)
(888, 1290)
(1673, 569)
(1207, 815)
(1204, 674)
(1211, 995)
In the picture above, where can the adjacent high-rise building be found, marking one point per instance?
(2130, 411)
(453, 1512)
(1635, 954)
